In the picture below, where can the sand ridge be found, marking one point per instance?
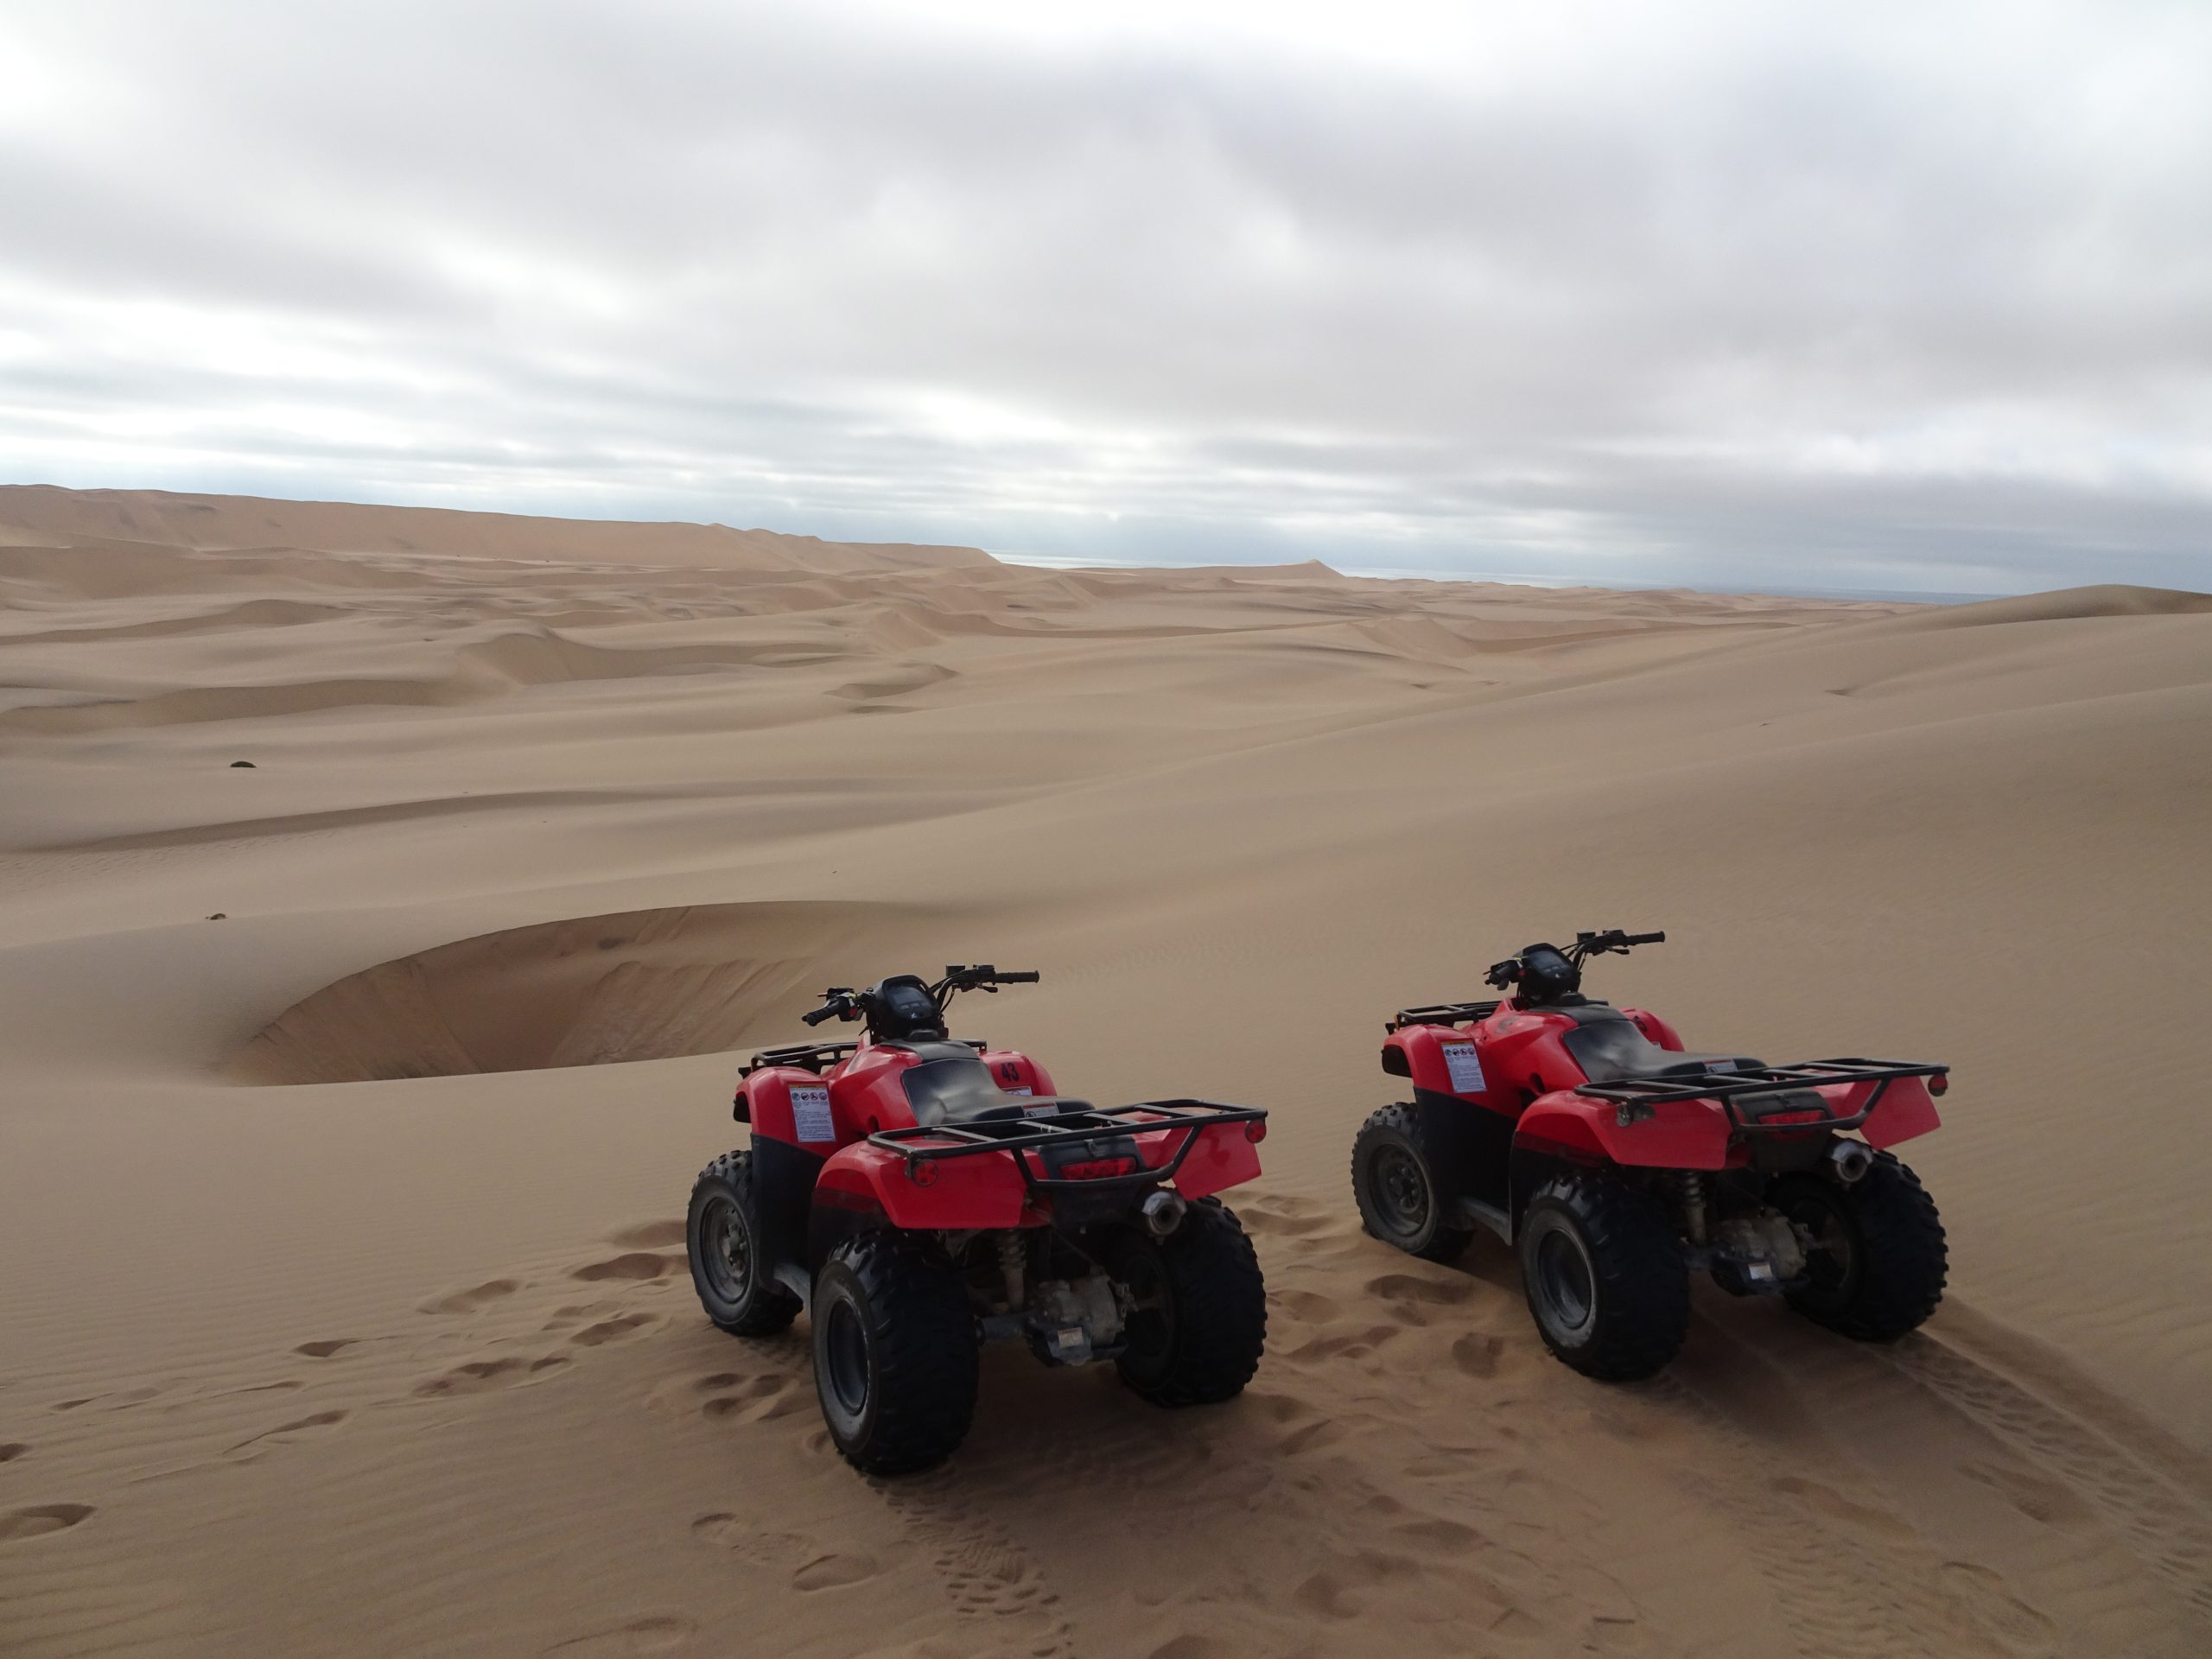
(346, 1308)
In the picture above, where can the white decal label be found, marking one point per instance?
(1021, 1091)
(1466, 1070)
(810, 1115)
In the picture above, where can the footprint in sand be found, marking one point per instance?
(835, 1572)
(476, 1296)
(108, 1401)
(759, 1399)
(1834, 1506)
(751, 1544)
(10, 1450)
(1354, 1346)
(480, 1375)
(1445, 1537)
(636, 1265)
(1407, 1287)
(1346, 1589)
(284, 1434)
(661, 1633)
(648, 1236)
(1477, 1355)
(1982, 1596)
(1289, 1217)
(607, 1331)
(2034, 1496)
(40, 1519)
(1191, 1645)
(1307, 1307)
(325, 1349)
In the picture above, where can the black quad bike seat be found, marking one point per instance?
(950, 1085)
(1610, 1047)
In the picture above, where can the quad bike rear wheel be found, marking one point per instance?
(1877, 1261)
(1605, 1276)
(894, 1353)
(728, 1269)
(1395, 1180)
(1198, 1316)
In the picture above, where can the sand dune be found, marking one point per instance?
(346, 1304)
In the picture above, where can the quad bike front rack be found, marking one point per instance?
(819, 1057)
(1637, 1098)
(1015, 1136)
(1443, 1013)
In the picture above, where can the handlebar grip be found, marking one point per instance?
(1027, 977)
(819, 1015)
(1644, 938)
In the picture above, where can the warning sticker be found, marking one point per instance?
(1021, 1092)
(810, 1115)
(1466, 1070)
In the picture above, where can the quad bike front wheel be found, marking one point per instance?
(1605, 1276)
(1877, 1260)
(1199, 1308)
(1394, 1178)
(721, 1233)
(894, 1353)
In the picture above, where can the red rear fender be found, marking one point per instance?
(1679, 1134)
(1226, 1156)
(1905, 1110)
(986, 1190)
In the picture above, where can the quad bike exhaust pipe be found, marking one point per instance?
(1163, 1212)
(1851, 1159)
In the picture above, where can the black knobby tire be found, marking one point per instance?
(721, 1235)
(894, 1353)
(1199, 1320)
(1605, 1277)
(1399, 1182)
(1880, 1259)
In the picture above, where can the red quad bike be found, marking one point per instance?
(918, 1196)
(1617, 1162)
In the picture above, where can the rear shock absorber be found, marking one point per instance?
(1693, 1190)
(1013, 1258)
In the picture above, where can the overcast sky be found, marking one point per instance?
(1765, 294)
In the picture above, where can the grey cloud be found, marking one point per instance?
(1882, 299)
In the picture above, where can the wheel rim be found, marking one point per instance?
(845, 1347)
(1149, 1331)
(1397, 1186)
(726, 1250)
(1565, 1288)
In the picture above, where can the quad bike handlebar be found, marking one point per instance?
(1552, 970)
(843, 1002)
(1591, 944)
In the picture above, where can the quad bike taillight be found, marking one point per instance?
(1940, 1083)
(922, 1172)
(1257, 1130)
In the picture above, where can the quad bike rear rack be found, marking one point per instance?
(1443, 1013)
(1637, 1097)
(1014, 1136)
